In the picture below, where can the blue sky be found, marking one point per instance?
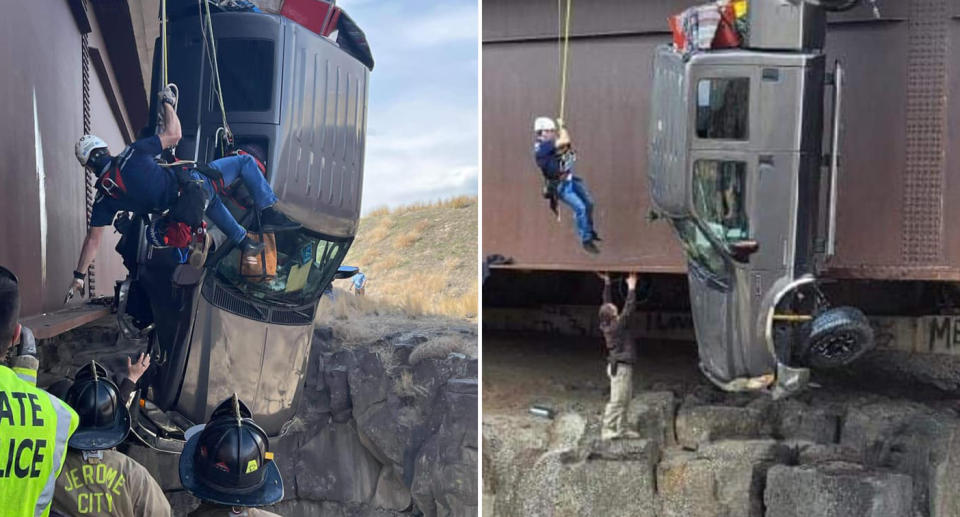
(422, 116)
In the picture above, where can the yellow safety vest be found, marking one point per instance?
(34, 429)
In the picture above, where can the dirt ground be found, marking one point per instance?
(563, 372)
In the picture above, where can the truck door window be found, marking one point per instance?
(722, 108)
(719, 195)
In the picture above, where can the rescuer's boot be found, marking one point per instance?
(271, 220)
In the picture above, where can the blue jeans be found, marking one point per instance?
(232, 167)
(574, 194)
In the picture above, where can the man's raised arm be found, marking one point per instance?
(171, 130)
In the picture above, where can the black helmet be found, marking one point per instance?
(229, 462)
(104, 419)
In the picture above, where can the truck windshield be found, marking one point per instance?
(292, 272)
(699, 248)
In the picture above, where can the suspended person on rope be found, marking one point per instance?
(133, 181)
(96, 479)
(553, 155)
(34, 425)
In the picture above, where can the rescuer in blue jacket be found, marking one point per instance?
(552, 153)
(133, 181)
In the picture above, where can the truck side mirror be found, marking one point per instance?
(741, 250)
(344, 272)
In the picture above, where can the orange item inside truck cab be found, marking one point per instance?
(262, 266)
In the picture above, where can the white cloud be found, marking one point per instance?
(394, 190)
(443, 26)
(405, 24)
(422, 133)
(436, 166)
(420, 148)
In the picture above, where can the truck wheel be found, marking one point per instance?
(838, 336)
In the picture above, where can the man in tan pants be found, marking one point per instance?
(621, 356)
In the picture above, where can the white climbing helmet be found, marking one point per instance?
(544, 124)
(86, 145)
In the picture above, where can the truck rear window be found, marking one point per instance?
(723, 108)
(246, 74)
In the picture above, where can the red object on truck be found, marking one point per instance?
(704, 27)
(320, 16)
(676, 28)
(727, 35)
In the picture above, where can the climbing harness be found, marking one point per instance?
(110, 184)
(567, 159)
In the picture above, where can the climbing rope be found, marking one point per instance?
(564, 61)
(559, 40)
(163, 61)
(163, 42)
(206, 24)
(164, 77)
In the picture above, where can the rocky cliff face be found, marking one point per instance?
(376, 433)
(710, 454)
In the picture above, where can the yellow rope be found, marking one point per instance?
(565, 67)
(559, 40)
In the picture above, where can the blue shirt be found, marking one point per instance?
(149, 186)
(358, 280)
(544, 152)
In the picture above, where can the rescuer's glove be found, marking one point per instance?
(76, 286)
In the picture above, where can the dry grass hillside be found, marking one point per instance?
(421, 267)
(421, 258)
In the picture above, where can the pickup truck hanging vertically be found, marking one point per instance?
(736, 166)
(298, 99)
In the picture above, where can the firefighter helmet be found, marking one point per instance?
(228, 462)
(104, 419)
